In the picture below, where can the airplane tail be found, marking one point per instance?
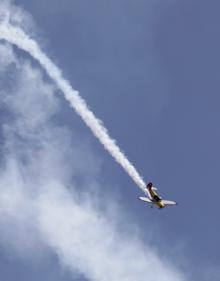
(150, 186)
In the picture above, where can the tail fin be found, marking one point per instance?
(150, 186)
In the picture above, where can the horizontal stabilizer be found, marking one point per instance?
(145, 199)
(168, 202)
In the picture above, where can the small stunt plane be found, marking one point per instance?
(154, 199)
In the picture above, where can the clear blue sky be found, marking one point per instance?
(150, 71)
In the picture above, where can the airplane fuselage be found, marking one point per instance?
(160, 204)
(156, 199)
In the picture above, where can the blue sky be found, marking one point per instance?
(150, 72)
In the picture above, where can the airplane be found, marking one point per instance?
(154, 199)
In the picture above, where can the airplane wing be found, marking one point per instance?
(168, 202)
(145, 199)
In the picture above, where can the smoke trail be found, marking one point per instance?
(18, 37)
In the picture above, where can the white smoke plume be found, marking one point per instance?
(39, 212)
(37, 209)
(15, 35)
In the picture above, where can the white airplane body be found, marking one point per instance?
(154, 199)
